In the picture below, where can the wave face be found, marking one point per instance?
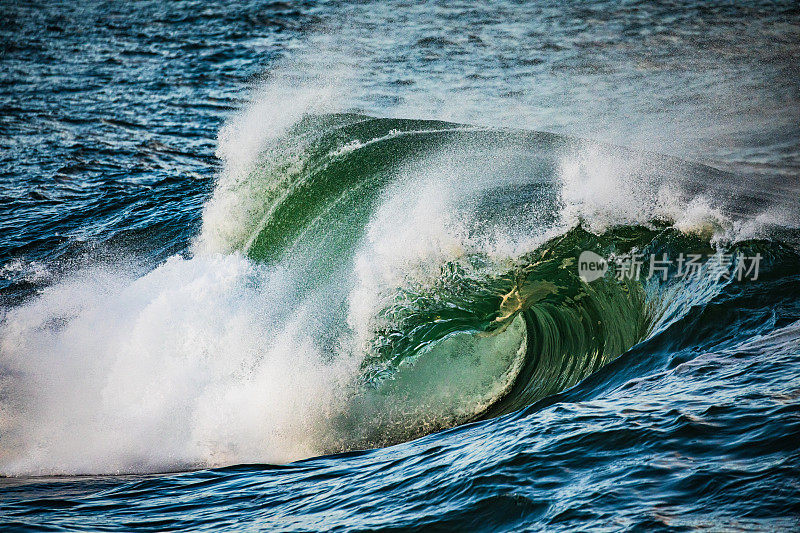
(446, 259)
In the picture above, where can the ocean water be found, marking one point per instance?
(326, 266)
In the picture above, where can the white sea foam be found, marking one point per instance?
(601, 189)
(244, 142)
(30, 271)
(200, 362)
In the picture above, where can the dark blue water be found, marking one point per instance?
(195, 276)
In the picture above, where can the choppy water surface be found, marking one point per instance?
(320, 261)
